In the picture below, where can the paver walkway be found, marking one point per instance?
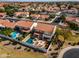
(26, 38)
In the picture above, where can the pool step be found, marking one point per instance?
(26, 38)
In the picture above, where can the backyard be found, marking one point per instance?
(8, 51)
(6, 32)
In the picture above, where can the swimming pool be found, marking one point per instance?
(30, 41)
(14, 35)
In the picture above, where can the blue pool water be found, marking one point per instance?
(14, 35)
(30, 41)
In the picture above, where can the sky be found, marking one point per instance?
(35, 0)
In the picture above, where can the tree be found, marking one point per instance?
(52, 16)
(62, 18)
(10, 10)
(19, 16)
(2, 10)
(73, 26)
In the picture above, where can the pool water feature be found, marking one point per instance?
(14, 35)
(30, 41)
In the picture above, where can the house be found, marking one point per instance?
(57, 9)
(63, 7)
(39, 16)
(46, 30)
(75, 19)
(7, 23)
(43, 33)
(70, 18)
(2, 4)
(72, 12)
(24, 14)
(2, 14)
(25, 25)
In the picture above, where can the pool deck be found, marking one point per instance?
(26, 38)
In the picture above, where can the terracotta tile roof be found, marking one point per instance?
(24, 23)
(40, 26)
(44, 16)
(44, 27)
(39, 16)
(1, 21)
(56, 8)
(63, 6)
(19, 13)
(50, 9)
(76, 19)
(2, 4)
(25, 30)
(70, 18)
(7, 23)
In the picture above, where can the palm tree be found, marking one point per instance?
(63, 17)
(18, 29)
(73, 26)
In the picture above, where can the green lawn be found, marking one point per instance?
(6, 32)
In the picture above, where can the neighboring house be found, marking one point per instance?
(47, 30)
(23, 14)
(2, 14)
(73, 19)
(7, 23)
(40, 16)
(25, 25)
(71, 12)
(2, 4)
(57, 9)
